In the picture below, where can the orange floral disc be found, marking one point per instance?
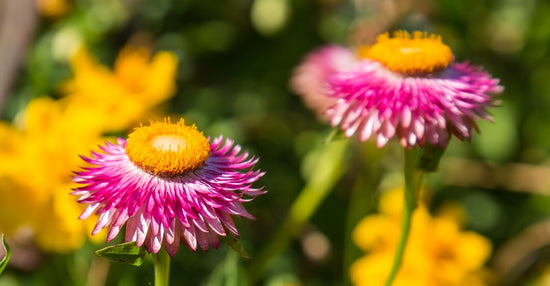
(418, 53)
(167, 149)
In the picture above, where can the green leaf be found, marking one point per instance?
(235, 243)
(5, 253)
(128, 253)
(335, 134)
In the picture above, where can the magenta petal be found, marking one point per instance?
(310, 79)
(190, 238)
(372, 101)
(158, 210)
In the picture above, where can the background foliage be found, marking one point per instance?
(235, 61)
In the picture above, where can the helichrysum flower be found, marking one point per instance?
(409, 87)
(168, 183)
(310, 79)
(439, 252)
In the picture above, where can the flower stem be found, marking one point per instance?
(413, 181)
(326, 173)
(161, 261)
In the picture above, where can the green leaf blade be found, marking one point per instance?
(5, 253)
(128, 253)
(235, 243)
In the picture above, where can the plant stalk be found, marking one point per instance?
(327, 172)
(413, 182)
(161, 261)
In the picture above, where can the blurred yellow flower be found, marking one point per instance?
(11, 195)
(35, 176)
(53, 8)
(122, 97)
(543, 279)
(438, 251)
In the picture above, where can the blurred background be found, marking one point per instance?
(74, 73)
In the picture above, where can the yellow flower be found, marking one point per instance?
(11, 194)
(35, 174)
(438, 251)
(373, 270)
(122, 97)
(543, 278)
(53, 8)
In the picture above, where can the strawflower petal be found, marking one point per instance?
(407, 87)
(310, 79)
(161, 210)
(416, 110)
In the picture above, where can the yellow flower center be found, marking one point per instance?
(409, 54)
(167, 149)
(168, 143)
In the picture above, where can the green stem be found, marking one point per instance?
(326, 173)
(413, 181)
(161, 261)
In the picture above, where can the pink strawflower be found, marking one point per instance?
(168, 183)
(409, 87)
(310, 79)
